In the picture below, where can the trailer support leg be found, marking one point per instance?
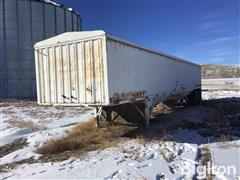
(148, 116)
(97, 114)
(109, 114)
(148, 112)
(115, 117)
(149, 104)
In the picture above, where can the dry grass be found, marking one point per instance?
(206, 157)
(167, 157)
(141, 138)
(24, 124)
(161, 109)
(143, 178)
(224, 141)
(83, 138)
(132, 153)
(7, 111)
(7, 167)
(7, 149)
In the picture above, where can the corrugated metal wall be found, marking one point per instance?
(2, 54)
(22, 24)
(71, 74)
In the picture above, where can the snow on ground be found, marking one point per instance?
(227, 155)
(51, 122)
(219, 94)
(131, 160)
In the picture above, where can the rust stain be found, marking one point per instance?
(81, 63)
(88, 69)
(133, 95)
(98, 69)
(75, 70)
(89, 89)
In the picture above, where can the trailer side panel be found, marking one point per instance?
(135, 73)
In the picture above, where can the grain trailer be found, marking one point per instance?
(93, 68)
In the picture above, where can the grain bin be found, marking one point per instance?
(97, 69)
(22, 24)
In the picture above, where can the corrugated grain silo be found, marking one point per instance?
(22, 24)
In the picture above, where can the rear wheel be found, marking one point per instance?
(195, 97)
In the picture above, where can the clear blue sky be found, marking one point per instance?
(203, 31)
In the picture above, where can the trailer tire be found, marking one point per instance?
(195, 97)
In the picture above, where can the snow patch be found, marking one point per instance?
(113, 163)
(206, 95)
(53, 123)
(227, 155)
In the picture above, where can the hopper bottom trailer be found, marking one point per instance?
(93, 68)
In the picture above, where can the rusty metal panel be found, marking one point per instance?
(71, 73)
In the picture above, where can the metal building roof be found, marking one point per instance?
(56, 4)
(51, 2)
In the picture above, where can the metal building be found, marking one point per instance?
(22, 24)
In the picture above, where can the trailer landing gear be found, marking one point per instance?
(104, 113)
(137, 113)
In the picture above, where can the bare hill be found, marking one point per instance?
(220, 71)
